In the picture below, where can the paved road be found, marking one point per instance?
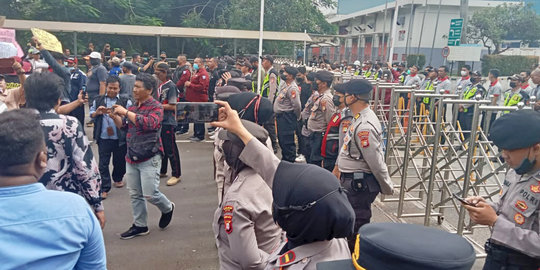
(188, 243)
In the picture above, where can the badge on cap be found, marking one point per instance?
(535, 189)
(293, 94)
(364, 138)
(519, 218)
(521, 205)
(287, 257)
(228, 223)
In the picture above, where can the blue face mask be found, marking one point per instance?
(196, 66)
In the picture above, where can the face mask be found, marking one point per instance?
(299, 80)
(395, 69)
(283, 77)
(65, 63)
(526, 165)
(196, 66)
(513, 84)
(314, 86)
(463, 73)
(336, 101)
(281, 71)
(408, 72)
(94, 62)
(163, 58)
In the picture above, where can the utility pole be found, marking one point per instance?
(394, 32)
(426, 8)
(383, 31)
(435, 33)
(464, 14)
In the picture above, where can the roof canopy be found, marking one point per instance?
(140, 30)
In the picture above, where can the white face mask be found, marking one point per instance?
(463, 73)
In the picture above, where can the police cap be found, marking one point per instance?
(503, 130)
(408, 247)
(257, 131)
(268, 57)
(325, 76)
(291, 71)
(354, 87)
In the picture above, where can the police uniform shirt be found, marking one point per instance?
(321, 112)
(288, 99)
(346, 121)
(302, 257)
(362, 150)
(243, 224)
(273, 85)
(517, 225)
(411, 80)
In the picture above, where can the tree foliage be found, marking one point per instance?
(290, 15)
(493, 25)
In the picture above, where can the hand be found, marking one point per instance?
(229, 120)
(336, 172)
(101, 110)
(474, 200)
(226, 76)
(17, 67)
(37, 43)
(461, 109)
(101, 218)
(482, 213)
(187, 84)
(82, 99)
(119, 110)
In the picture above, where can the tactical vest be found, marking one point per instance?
(469, 94)
(98, 122)
(265, 89)
(330, 144)
(429, 86)
(512, 99)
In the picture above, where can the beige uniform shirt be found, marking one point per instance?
(243, 225)
(256, 155)
(288, 99)
(321, 113)
(518, 209)
(307, 256)
(362, 150)
(13, 97)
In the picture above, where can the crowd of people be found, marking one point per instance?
(272, 213)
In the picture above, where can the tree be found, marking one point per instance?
(493, 25)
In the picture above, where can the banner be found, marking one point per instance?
(8, 36)
(47, 40)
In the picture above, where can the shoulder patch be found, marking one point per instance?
(287, 257)
(293, 94)
(228, 223)
(364, 138)
(323, 105)
(519, 218)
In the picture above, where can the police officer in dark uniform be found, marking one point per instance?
(514, 219)
(360, 163)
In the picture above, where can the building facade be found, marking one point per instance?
(365, 28)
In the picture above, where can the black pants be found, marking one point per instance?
(286, 126)
(298, 132)
(106, 149)
(182, 126)
(171, 151)
(361, 201)
(306, 148)
(270, 126)
(198, 130)
(329, 163)
(465, 121)
(500, 257)
(315, 141)
(484, 119)
(79, 114)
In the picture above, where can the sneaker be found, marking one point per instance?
(300, 158)
(104, 195)
(162, 175)
(195, 139)
(119, 184)
(213, 136)
(134, 231)
(173, 181)
(166, 218)
(181, 132)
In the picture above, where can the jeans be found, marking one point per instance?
(198, 130)
(143, 185)
(171, 151)
(106, 149)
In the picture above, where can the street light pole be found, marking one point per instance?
(261, 24)
(435, 33)
(383, 31)
(394, 32)
(464, 14)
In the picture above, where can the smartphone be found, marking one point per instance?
(197, 112)
(462, 200)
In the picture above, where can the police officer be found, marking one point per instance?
(515, 94)
(321, 114)
(336, 131)
(360, 163)
(287, 108)
(269, 88)
(514, 220)
(304, 115)
(466, 111)
(243, 225)
(308, 203)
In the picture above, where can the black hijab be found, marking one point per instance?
(252, 107)
(299, 186)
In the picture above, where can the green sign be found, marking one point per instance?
(454, 35)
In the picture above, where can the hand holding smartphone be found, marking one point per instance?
(462, 200)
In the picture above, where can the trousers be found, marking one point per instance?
(286, 126)
(170, 148)
(106, 149)
(315, 141)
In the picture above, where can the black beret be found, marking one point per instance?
(257, 131)
(408, 247)
(291, 70)
(526, 122)
(311, 76)
(354, 87)
(224, 92)
(324, 76)
(239, 101)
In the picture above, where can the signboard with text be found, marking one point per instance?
(454, 35)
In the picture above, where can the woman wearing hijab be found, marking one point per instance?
(243, 225)
(309, 204)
